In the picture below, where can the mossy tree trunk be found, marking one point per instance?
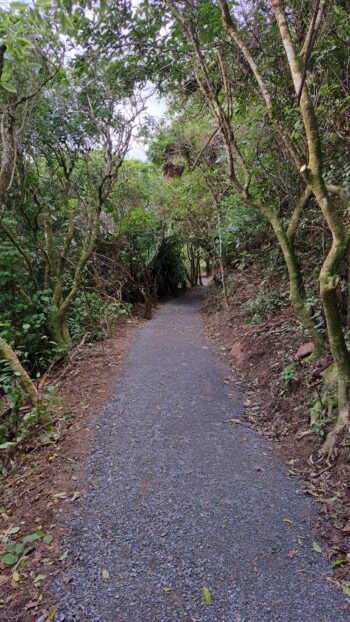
(334, 205)
(27, 385)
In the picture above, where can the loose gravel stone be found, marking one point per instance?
(180, 501)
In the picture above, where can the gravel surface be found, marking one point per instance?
(177, 500)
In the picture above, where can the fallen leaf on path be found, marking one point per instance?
(63, 556)
(206, 596)
(105, 574)
(167, 589)
(232, 421)
(292, 553)
(275, 548)
(316, 547)
(288, 520)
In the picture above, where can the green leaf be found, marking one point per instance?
(316, 547)
(206, 596)
(14, 547)
(31, 538)
(39, 532)
(339, 562)
(18, 548)
(10, 559)
(47, 539)
(346, 590)
(8, 87)
(6, 445)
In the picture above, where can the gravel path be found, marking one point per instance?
(178, 500)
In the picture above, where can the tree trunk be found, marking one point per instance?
(297, 294)
(348, 293)
(58, 331)
(199, 273)
(221, 263)
(207, 266)
(27, 385)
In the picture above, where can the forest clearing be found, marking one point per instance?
(175, 311)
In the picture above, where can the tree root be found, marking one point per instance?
(329, 448)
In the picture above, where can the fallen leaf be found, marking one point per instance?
(105, 574)
(39, 579)
(275, 548)
(206, 596)
(288, 520)
(316, 547)
(15, 576)
(292, 553)
(63, 556)
(60, 495)
(167, 589)
(232, 421)
(31, 604)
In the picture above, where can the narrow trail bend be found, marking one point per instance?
(177, 500)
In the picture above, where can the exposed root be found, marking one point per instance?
(329, 448)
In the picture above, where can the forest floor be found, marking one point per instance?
(166, 499)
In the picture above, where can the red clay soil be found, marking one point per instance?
(41, 483)
(259, 353)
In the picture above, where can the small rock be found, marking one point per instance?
(305, 350)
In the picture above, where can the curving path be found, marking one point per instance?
(177, 500)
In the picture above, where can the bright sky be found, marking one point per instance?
(156, 107)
